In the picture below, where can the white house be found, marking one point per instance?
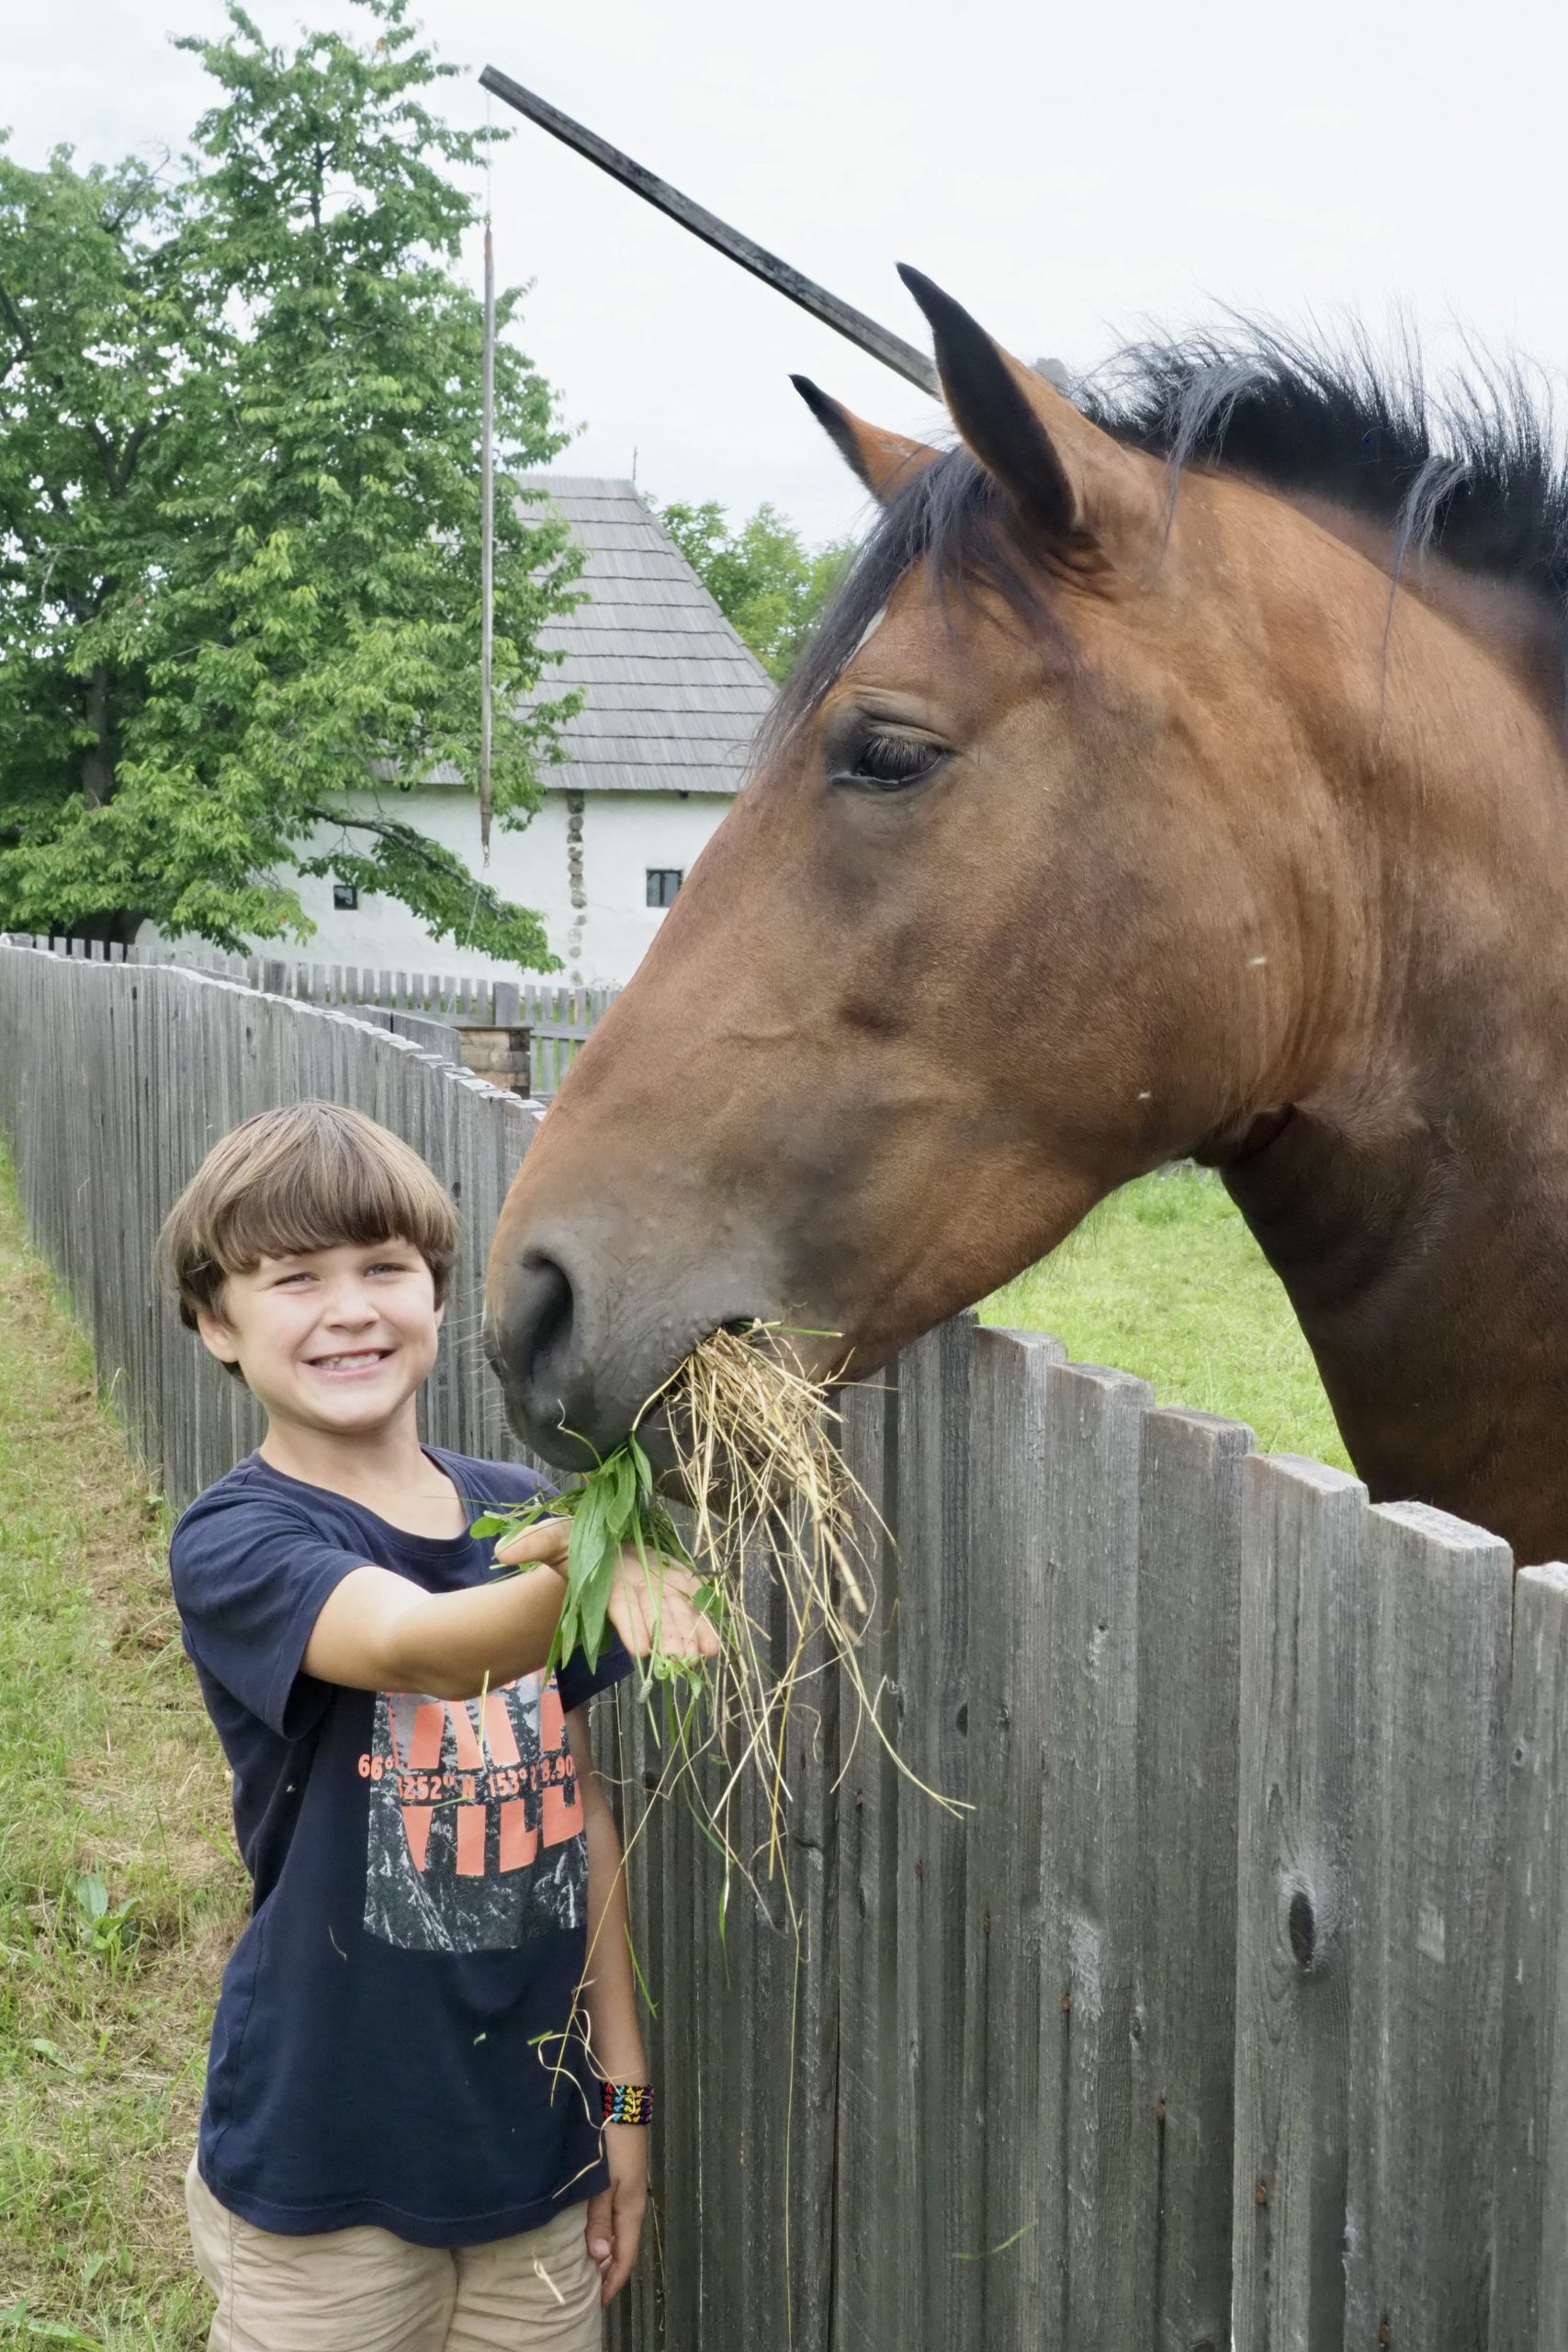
(672, 698)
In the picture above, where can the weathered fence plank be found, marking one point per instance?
(1530, 2287)
(1184, 2016)
(1301, 1570)
(1090, 1879)
(1432, 1676)
(867, 2184)
(929, 1590)
(1010, 1734)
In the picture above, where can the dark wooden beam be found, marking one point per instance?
(856, 328)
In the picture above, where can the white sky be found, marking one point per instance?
(1070, 174)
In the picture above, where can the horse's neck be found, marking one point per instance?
(1415, 1206)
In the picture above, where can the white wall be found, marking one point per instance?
(600, 942)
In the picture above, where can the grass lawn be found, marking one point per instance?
(1165, 1281)
(120, 1891)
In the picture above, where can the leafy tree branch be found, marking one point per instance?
(240, 416)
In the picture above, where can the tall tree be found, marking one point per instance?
(763, 577)
(239, 492)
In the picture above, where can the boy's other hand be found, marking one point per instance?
(656, 1602)
(542, 1545)
(614, 2228)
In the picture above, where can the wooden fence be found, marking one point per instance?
(421, 1005)
(1234, 2009)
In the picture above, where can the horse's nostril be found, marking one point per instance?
(537, 1336)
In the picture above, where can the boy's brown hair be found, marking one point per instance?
(310, 1177)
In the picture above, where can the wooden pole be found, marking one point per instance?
(487, 545)
(891, 349)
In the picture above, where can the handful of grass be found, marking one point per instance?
(612, 1507)
(772, 1507)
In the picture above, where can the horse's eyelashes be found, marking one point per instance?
(888, 762)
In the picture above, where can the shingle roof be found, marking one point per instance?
(673, 696)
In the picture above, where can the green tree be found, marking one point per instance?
(238, 512)
(763, 577)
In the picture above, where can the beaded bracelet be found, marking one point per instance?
(628, 2102)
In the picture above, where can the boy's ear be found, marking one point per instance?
(217, 1337)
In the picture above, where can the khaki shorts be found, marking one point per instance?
(365, 2290)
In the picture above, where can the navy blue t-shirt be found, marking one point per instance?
(391, 2041)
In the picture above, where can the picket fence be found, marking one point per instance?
(1233, 2011)
(431, 1008)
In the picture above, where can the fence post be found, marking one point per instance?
(1301, 1571)
(1184, 2016)
(1529, 2285)
(1090, 1846)
(1010, 1728)
(1432, 1675)
(867, 2242)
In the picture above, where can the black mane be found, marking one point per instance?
(1473, 474)
(1470, 473)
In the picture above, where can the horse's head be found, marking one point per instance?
(1025, 897)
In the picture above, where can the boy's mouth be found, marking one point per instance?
(349, 1361)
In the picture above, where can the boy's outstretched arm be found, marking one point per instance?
(378, 1631)
(613, 2226)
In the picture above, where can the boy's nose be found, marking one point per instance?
(351, 1309)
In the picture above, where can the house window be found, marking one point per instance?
(663, 881)
(345, 898)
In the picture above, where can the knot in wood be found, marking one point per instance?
(1302, 1926)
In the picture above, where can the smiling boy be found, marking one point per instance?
(430, 2009)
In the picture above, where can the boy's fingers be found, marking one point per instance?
(542, 1545)
(628, 1619)
(627, 2214)
(597, 2229)
(654, 1603)
(687, 1633)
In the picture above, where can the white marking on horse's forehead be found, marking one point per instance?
(867, 633)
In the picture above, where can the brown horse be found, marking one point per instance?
(1183, 777)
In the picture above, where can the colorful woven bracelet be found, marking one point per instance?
(628, 2102)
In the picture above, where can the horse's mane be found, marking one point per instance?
(1473, 473)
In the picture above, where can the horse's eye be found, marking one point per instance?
(888, 762)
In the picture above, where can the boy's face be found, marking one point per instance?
(334, 1339)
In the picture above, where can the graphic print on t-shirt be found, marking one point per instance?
(476, 1845)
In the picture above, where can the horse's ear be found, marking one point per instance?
(1082, 487)
(886, 462)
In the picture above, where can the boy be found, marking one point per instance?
(432, 2006)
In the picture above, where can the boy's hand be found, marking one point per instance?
(542, 1545)
(614, 2229)
(644, 1601)
(657, 1601)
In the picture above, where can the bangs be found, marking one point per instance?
(313, 1177)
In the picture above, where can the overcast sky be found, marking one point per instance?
(1070, 174)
